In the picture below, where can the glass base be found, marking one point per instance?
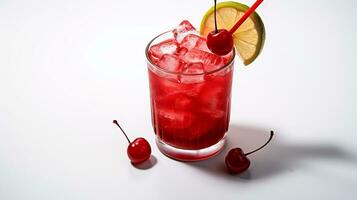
(190, 155)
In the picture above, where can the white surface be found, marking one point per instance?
(69, 67)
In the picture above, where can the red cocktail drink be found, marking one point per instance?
(190, 90)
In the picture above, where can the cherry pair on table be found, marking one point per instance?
(236, 161)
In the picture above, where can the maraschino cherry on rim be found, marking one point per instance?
(220, 41)
(237, 161)
(139, 150)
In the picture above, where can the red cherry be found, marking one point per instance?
(220, 42)
(237, 162)
(139, 150)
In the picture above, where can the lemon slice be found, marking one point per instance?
(248, 38)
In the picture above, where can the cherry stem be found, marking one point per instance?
(215, 16)
(116, 122)
(249, 12)
(267, 142)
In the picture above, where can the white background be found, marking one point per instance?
(69, 67)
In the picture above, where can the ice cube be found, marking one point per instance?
(196, 55)
(171, 118)
(181, 51)
(153, 58)
(194, 41)
(184, 28)
(174, 100)
(171, 63)
(213, 96)
(194, 68)
(195, 71)
(215, 114)
(210, 68)
(227, 58)
(165, 47)
(202, 45)
(190, 41)
(183, 102)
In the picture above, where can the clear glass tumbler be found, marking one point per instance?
(190, 112)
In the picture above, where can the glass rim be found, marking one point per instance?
(180, 73)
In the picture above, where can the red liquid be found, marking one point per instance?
(190, 90)
(191, 115)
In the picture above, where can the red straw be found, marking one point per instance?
(245, 16)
